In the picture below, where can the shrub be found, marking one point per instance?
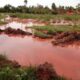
(42, 72)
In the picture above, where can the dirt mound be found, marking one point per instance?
(13, 16)
(1, 31)
(46, 72)
(66, 37)
(15, 31)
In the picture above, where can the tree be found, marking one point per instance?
(78, 8)
(7, 7)
(54, 8)
(70, 10)
(61, 10)
(25, 2)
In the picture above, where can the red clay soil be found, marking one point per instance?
(14, 31)
(46, 72)
(66, 38)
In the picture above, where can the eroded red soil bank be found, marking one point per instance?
(67, 38)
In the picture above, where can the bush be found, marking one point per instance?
(41, 72)
(8, 74)
(3, 57)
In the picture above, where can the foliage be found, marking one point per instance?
(41, 72)
(54, 8)
(25, 1)
(39, 9)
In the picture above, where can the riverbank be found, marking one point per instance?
(11, 70)
(59, 34)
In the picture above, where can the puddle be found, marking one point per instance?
(17, 25)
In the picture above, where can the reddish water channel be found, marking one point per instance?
(27, 50)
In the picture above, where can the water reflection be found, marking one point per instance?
(17, 25)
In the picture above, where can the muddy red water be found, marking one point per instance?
(27, 50)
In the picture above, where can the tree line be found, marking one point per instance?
(39, 9)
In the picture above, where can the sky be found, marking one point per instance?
(42, 2)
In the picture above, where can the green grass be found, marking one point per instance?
(46, 17)
(39, 31)
(2, 16)
(41, 34)
(3, 22)
(54, 29)
(67, 28)
(71, 17)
